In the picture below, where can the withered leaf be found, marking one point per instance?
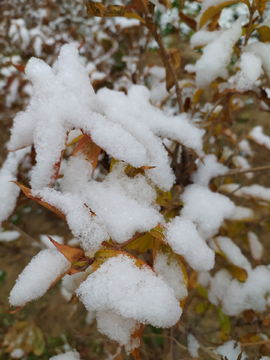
(98, 9)
(175, 60)
(137, 334)
(188, 21)
(89, 149)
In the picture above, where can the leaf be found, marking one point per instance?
(264, 33)
(74, 141)
(249, 315)
(157, 232)
(98, 9)
(225, 324)
(201, 307)
(101, 256)
(75, 256)
(143, 243)
(18, 67)
(3, 275)
(137, 334)
(260, 5)
(213, 10)
(250, 337)
(188, 21)
(89, 149)
(238, 272)
(175, 60)
(26, 336)
(166, 3)
(196, 97)
(28, 193)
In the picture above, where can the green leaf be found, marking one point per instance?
(3, 275)
(202, 291)
(225, 324)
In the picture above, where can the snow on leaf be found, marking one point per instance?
(28, 193)
(89, 149)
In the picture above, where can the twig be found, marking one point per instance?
(256, 343)
(209, 353)
(210, 111)
(165, 58)
(182, 347)
(236, 171)
(219, 117)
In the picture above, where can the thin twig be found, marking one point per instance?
(256, 343)
(182, 347)
(165, 58)
(236, 171)
(210, 111)
(219, 117)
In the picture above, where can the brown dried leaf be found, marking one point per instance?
(188, 20)
(28, 193)
(98, 9)
(260, 5)
(89, 149)
(18, 67)
(70, 253)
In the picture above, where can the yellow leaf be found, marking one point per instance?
(201, 307)
(137, 334)
(196, 96)
(98, 9)
(238, 272)
(264, 33)
(260, 5)
(143, 243)
(213, 10)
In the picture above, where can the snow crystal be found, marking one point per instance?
(70, 355)
(233, 252)
(183, 237)
(171, 271)
(9, 235)
(257, 135)
(206, 208)
(119, 286)
(193, 345)
(9, 191)
(231, 349)
(255, 245)
(37, 277)
(217, 55)
(208, 169)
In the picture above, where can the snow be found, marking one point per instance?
(193, 345)
(244, 146)
(235, 296)
(217, 55)
(183, 237)
(207, 169)
(70, 355)
(9, 192)
(204, 37)
(256, 247)
(206, 209)
(47, 242)
(172, 272)
(37, 277)
(259, 137)
(17, 354)
(252, 192)
(262, 51)
(124, 295)
(8, 236)
(242, 213)
(251, 68)
(231, 349)
(233, 252)
(84, 226)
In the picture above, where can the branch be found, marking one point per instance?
(164, 56)
(236, 171)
